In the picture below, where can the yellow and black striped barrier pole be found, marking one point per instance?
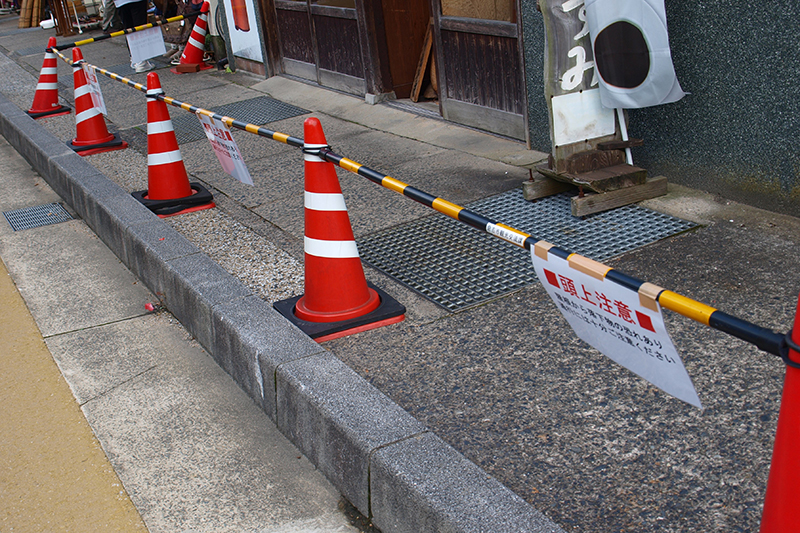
(763, 338)
(159, 22)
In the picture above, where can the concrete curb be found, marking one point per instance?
(378, 456)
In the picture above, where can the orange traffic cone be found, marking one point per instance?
(337, 299)
(45, 101)
(168, 191)
(192, 56)
(92, 135)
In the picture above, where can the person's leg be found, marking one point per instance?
(126, 16)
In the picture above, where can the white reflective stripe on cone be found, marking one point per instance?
(164, 158)
(86, 115)
(82, 90)
(331, 249)
(313, 157)
(162, 126)
(324, 201)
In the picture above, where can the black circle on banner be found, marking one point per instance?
(621, 55)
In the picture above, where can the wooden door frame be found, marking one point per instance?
(495, 120)
(377, 80)
(272, 43)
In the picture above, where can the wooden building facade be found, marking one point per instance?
(373, 48)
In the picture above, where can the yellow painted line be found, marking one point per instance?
(447, 208)
(393, 184)
(686, 306)
(349, 164)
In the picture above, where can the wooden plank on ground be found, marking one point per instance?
(541, 187)
(595, 203)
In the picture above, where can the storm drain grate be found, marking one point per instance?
(36, 216)
(260, 110)
(457, 266)
(31, 50)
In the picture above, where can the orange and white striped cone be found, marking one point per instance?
(45, 100)
(168, 191)
(92, 136)
(336, 292)
(195, 47)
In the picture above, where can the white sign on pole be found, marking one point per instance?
(145, 44)
(579, 116)
(225, 147)
(94, 88)
(612, 319)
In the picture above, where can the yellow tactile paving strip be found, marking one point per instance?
(54, 475)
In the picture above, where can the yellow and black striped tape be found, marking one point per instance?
(765, 339)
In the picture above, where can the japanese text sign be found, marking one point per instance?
(145, 44)
(94, 88)
(611, 319)
(225, 147)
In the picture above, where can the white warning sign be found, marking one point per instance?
(94, 88)
(612, 319)
(219, 135)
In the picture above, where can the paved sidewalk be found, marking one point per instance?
(190, 450)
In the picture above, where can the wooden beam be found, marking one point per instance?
(422, 66)
(595, 203)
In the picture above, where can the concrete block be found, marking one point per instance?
(111, 212)
(191, 286)
(250, 340)
(338, 420)
(424, 485)
(74, 179)
(148, 245)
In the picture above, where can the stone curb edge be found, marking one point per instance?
(384, 461)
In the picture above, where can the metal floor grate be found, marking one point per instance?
(260, 110)
(36, 216)
(457, 266)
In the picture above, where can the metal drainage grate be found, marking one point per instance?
(260, 110)
(31, 50)
(36, 216)
(458, 267)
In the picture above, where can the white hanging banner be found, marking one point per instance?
(219, 135)
(94, 88)
(145, 44)
(631, 53)
(612, 319)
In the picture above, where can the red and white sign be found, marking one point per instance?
(94, 88)
(225, 147)
(612, 319)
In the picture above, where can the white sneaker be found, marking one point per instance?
(144, 66)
